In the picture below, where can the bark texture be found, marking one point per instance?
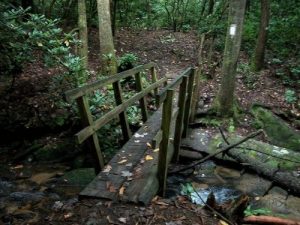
(259, 54)
(225, 98)
(83, 35)
(107, 50)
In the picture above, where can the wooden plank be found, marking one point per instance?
(93, 142)
(143, 102)
(163, 152)
(133, 152)
(195, 97)
(188, 103)
(122, 116)
(179, 121)
(154, 79)
(90, 130)
(84, 90)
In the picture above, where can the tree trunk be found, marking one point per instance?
(83, 36)
(224, 102)
(107, 50)
(259, 54)
(114, 16)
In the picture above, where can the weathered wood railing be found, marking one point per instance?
(179, 114)
(176, 113)
(91, 127)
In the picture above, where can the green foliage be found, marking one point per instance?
(187, 189)
(290, 96)
(127, 61)
(256, 212)
(24, 35)
(249, 78)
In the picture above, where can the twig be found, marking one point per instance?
(213, 210)
(227, 148)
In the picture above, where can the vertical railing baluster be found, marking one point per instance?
(143, 102)
(154, 79)
(188, 103)
(164, 145)
(180, 117)
(195, 97)
(93, 142)
(122, 116)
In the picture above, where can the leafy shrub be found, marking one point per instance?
(290, 96)
(127, 61)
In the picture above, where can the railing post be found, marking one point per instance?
(188, 103)
(143, 102)
(180, 117)
(93, 142)
(195, 95)
(122, 116)
(164, 145)
(154, 79)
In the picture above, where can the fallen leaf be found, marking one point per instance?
(107, 168)
(68, 215)
(122, 219)
(149, 145)
(221, 222)
(156, 150)
(110, 220)
(121, 191)
(17, 167)
(122, 161)
(161, 203)
(148, 157)
(111, 188)
(128, 165)
(126, 173)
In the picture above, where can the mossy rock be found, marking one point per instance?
(55, 150)
(278, 132)
(79, 177)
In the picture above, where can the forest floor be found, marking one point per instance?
(29, 105)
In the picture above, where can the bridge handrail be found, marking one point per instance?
(161, 96)
(88, 88)
(90, 130)
(90, 126)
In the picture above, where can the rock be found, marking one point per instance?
(252, 185)
(80, 177)
(6, 187)
(27, 197)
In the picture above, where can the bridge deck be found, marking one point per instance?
(131, 174)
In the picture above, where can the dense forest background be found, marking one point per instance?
(246, 55)
(48, 47)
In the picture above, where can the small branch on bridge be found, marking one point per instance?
(223, 150)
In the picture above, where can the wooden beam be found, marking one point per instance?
(143, 102)
(90, 130)
(188, 102)
(195, 97)
(84, 90)
(93, 142)
(179, 121)
(122, 116)
(163, 150)
(154, 79)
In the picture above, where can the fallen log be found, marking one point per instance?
(269, 220)
(213, 154)
(280, 165)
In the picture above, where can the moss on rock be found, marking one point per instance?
(278, 132)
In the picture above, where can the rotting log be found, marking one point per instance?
(280, 165)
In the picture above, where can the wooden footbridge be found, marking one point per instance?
(138, 171)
